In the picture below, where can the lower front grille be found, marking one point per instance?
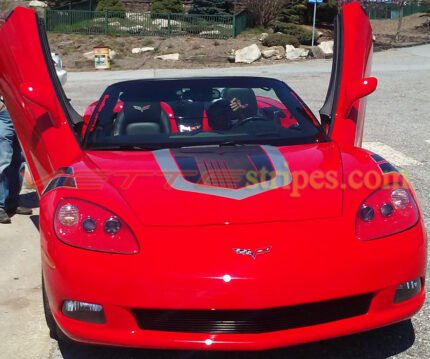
(252, 321)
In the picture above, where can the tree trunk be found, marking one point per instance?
(399, 23)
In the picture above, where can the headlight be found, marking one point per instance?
(388, 211)
(86, 225)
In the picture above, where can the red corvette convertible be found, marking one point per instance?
(214, 213)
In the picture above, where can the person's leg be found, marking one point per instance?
(7, 136)
(14, 178)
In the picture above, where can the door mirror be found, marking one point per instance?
(358, 90)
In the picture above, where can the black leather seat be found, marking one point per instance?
(140, 118)
(246, 96)
(189, 111)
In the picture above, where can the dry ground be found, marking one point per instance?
(415, 30)
(197, 53)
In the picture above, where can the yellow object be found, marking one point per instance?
(102, 58)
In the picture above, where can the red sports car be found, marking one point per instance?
(214, 213)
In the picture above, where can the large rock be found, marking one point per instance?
(37, 3)
(210, 33)
(169, 57)
(138, 50)
(295, 53)
(248, 55)
(164, 23)
(327, 47)
(276, 52)
(136, 29)
(316, 52)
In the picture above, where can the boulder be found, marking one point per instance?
(138, 50)
(135, 29)
(263, 36)
(164, 23)
(37, 3)
(276, 52)
(316, 52)
(210, 33)
(267, 54)
(327, 47)
(295, 53)
(248, 54)
(168, 57)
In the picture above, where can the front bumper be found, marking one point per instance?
(171, 277)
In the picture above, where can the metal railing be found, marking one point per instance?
(391, 11)
(147, 24)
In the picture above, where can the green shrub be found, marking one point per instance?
(211, 7)
(326, 13)
(110, 5)
(296, 13)
(280, 40)
(302, 12)
(167, 7)
(300, 33)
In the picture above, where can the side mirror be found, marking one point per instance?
(358, 90)
(40, 96)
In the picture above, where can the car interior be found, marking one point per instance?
(180, 110)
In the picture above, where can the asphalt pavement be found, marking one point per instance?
(397, 127)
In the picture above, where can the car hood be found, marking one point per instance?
(224, 185)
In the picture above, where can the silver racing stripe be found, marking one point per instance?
(176, 180)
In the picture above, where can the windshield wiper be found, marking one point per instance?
(126, 148)
(233, 143)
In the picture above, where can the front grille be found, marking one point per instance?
(252, 321)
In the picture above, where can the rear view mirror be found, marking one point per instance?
(358, 90)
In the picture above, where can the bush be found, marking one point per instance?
(263, 12)
(110, 5)
(300, 33)
(302, 12)
(326, 13)
(167, 7)
(296, 13)
(211, 7)
(280, 40)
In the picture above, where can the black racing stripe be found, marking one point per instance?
(387, 167)
(62, 181)
(227, 167)
(189, 168)
(377, 158)
(262, 162)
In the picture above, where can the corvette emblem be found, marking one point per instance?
(251, 253)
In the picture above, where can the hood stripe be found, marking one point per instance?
(176, 179)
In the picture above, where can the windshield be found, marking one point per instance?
(153, 114)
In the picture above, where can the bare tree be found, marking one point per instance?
(401, 4)
(5, 5)
(264, 12)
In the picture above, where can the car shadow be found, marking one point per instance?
(379, 343)
(29, 199)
